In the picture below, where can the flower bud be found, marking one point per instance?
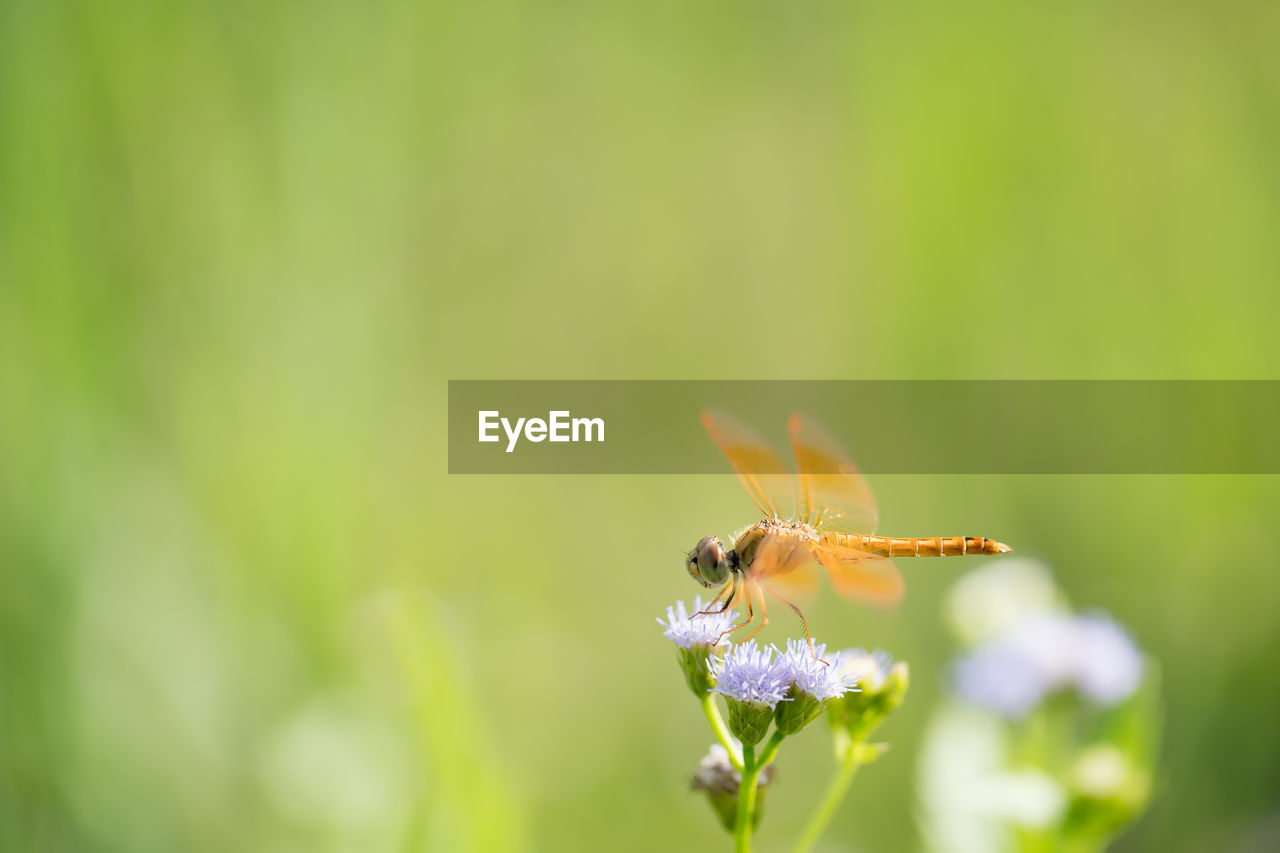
(882, 689)
(1107, 791)
(894, 691)
(721, 781)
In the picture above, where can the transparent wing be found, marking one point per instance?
(786, 566)
(860, 576)
(762, 472)
(830, 492)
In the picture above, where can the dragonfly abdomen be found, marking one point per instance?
(932, 546)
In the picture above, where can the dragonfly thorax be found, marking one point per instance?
(748, 541)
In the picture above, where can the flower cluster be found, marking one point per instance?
(767, 687)
(763, 685)
(1056, 773)
(788, 688)
(1012, 672)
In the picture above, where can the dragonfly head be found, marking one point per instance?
(709, 563)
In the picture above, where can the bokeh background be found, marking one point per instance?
(244, 245)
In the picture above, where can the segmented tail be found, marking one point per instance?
(936, 546)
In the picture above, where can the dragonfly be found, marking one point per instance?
(833, 528)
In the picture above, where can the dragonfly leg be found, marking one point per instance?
(750, 613)
(764, 611)
(804, 623)
(713, 602)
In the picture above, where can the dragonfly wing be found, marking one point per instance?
(831, 493)
(786, 566)
(762, 472)
(860, 576)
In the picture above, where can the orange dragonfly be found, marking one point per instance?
(835, 517)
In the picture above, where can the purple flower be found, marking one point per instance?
(801, 665)
(693, 628)
(748, 673)
(1013, 672)
(1109, 667)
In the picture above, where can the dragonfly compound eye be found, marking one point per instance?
(691, 565)
(713, 563)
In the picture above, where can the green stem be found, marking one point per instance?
(830, 801)
(712, 711)
(751, 767)
(771, 748)
(746, 801)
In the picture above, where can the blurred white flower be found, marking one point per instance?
(969, 798)
(998, 597)
(859, 665)
(1100, 771)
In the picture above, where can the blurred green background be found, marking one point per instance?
(243, 246)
